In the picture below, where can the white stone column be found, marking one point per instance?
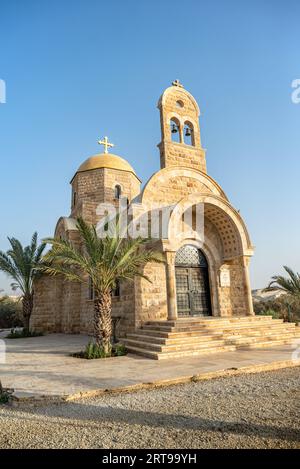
(171, 285)
(250, 310)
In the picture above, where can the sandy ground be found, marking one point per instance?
(247, 411)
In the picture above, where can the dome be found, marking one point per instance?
(106, 160)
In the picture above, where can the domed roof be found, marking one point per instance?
(106, 160)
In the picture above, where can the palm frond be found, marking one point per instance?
(103, 259)
(20, 263)
(290, 284)
(62, 270)
(33, 245)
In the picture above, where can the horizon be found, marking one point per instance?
(72, 78)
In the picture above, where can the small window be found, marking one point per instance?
(116, 291)
(91, 290)
(179, 103)
(106, 221)
(118, 191)
(74, 198)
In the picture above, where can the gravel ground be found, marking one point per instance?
(247, 411)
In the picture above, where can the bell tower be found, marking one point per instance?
(180, 132)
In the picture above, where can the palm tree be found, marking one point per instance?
(21, 264)
(103, 260)
(290, 284)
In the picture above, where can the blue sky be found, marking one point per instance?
(78, 70)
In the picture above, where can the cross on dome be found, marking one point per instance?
(177, 83)
(106, 144)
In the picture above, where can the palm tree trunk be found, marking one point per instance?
(27, 304)
(102, 321)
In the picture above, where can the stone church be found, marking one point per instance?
(205, 277)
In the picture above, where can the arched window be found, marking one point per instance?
(74, 199)
(118, 191)
(188, 133)
(175, 130)
(116, 290)
(91, 294)
(191, 256)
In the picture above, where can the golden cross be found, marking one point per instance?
(106, 144)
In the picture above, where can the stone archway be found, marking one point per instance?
(225, 242)
(192, 282)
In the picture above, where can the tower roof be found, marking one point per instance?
(177, 91)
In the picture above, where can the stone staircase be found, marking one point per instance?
(198, 336)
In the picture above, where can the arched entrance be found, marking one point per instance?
(192, 282)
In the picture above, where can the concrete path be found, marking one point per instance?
(41, 366)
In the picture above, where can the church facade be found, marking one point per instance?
(206, 261)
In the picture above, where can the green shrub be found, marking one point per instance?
(119, 350)
(285, 307)
(22, 334)
(10, 313)
(4, 395)
(269, 312)
(92, 351)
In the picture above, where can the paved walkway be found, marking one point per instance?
(41, 366)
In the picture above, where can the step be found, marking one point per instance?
(199, 332)
(271, 343)
(217, 329)
(170, 347)
(239, 327)
(281, 327)
(259, 330)
(174, 340)
(252, 340)
(143, 352)
(229, 324)
(179, 354)
(211, 320)
(194, 353)
(205, 326)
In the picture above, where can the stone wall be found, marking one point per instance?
(46, 314)
(233, 299)
(70, 308)
(97, 186)
(122, 306)
(151, 298)
(177, 154)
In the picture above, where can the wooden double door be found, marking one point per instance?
(193, 292)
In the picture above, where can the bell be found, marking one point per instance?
(188, 132)
(174, 129)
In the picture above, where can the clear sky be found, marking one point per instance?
(78, 70)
